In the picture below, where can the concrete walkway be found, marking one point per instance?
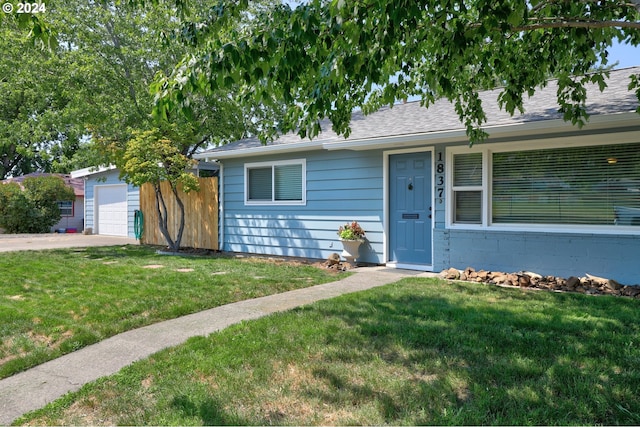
(42, 384)
(25, 242)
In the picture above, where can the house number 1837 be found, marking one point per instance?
(439, 177)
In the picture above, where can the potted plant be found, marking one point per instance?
(352, 236)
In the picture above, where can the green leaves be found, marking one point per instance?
(635, 84)
(33, 209)
(33, 103)
(325, 58)
(156, 155)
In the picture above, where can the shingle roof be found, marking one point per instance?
(411, 118)
(77, 184)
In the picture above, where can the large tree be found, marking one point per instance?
(130, 45)
(35, 112)
(86, 80)
(325, 58)
(114, 52)
(117, 50)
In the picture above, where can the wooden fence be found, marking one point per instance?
(200, 215)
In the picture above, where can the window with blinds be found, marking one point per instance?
(275, 183)
(288, 182)
(467, 188)
(260, 184)
(594, 185)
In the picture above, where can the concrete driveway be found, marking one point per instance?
(25, 242)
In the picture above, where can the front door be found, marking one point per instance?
(410, 208)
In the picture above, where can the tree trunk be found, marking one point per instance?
(181, 217)
(161, 209)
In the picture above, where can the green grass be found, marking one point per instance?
(55, 302)
(421, 351)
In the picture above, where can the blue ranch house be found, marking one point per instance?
(538, 195)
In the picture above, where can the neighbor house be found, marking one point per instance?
(72, 212)
(110, 203)
(538, 195)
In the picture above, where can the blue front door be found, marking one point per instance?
(410, 208)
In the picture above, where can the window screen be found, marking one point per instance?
(468, 207)
(467, 170)
(467, 188)
(260, 184)
(288, 182)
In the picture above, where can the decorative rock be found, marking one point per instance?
(532, 275)
(609, 283)
(496, 276)
(612, 284)
(333, 259)
(631, 291)
(590, 285)
(452, 274)
(572, 282)
(524, 280)
(482, 274)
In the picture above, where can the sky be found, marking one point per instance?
(627, 55)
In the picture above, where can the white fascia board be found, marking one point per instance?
(541, 127)
(396, 140)
(262, 150)
(80, 173)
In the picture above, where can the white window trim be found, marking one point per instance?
(273, 202)
(487, 149)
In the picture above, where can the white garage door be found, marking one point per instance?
(111, 209)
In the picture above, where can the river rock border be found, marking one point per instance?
(589, 284)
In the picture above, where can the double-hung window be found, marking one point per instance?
(467, 188)
(66, 208)
(279, 183)
(587, 186)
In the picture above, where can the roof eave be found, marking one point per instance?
(81, 173)
(503, 130)
(261, 151)
(540, 127)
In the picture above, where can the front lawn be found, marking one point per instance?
(55, 302)
(421, 351)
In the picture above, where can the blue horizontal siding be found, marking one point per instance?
(347, 185)
(341, 187)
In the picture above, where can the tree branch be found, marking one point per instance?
(632, 3)
(577, 24)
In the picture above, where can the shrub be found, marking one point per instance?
(32, 208)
